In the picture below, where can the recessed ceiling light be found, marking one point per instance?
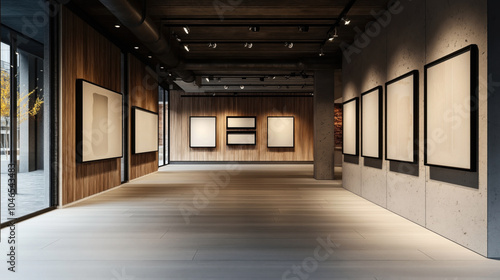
(248, 45)
(242, 86)
(186, 29)
(207, 79)
(117, 26)
(162, 67)
(136, 47)
(226, 87)
(289, 45)
(212, 45)
(150, 56)
(186, 47)
(274, 78)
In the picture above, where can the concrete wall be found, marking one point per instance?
(414, 33)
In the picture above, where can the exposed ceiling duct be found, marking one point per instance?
(144, 28)
(261, 65)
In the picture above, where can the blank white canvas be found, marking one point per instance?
(240, 122)
(280, 132)
(448, 113)
(349, 125)
(146, 131)
(241, 139)
(202, 132)
(370, 124)
(101, 123)
(400, 120)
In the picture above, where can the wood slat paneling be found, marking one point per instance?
(143, 89)
(261, 107)
(88, 55)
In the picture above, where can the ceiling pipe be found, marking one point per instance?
(144, 28)
(242, 65)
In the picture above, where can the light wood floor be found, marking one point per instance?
(266, 220)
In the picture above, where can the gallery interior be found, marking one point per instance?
(233, 139)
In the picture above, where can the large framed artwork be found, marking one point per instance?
(401, 118)
(241, 122)
(350, 127)
(281, 132)
(450, 117)
(202, 132)
(99, 117)
(371, 123)
(144, 131)
(241, 137)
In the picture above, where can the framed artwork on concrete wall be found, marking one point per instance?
(450, 117)
(202, 132)
(99, 116)
(144, 131)
(281, 132)
(401, 118)
(241, 122)
(350, 127)
(241, 138)
(371, 123)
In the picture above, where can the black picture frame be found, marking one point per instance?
(474, 76)
(293, 131)
(244, 117)
(356, 101)
(134, 129)
(80, 109)
(379, 91)
(416, 114)
(190, 132)
(241, 132)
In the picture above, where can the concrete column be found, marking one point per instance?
(324, 130)
(493, 80)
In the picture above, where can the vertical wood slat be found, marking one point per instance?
(88, 55)
(261, 107)
(143, 93)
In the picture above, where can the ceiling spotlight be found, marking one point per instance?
(186, 47)
(274, 78)
(176, 37)
(331, 38)
(213, 94)
(169, 74)
(289, 45)
(162, 67)
(117, 26)
(150, 56)
(303, 28)
(248, 45)
(186, 29)
(212, 45)
(346, 21)
(136, 47)
(226, 87)
(321, 53)
(207, 79)
(242, 86)
(254, 28)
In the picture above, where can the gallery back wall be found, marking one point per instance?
(181, 108)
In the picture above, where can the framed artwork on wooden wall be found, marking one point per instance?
(144, 131)
(241, 122)
(202, 132)
(241, 138)
(281, 132)
(99, 120)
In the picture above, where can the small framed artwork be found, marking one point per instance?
(450, 118)
(99, 117)
(144, 131)
(202, 132)
(281, 132)
(241, 137)
(371, 123)
(241, 122)
(350, 127)
(401, 118)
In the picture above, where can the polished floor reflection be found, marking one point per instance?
(235, 222)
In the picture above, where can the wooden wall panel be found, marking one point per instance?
(143, 90)
(261, 107)
(85, 55)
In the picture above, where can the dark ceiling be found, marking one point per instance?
(227, 22)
